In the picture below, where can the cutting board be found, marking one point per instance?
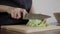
(26, 29)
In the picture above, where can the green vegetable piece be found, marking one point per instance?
(36, 23)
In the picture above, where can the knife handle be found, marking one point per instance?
(21, 16)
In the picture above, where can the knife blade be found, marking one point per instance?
(36, 16)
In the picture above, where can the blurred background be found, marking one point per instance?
(47, 7)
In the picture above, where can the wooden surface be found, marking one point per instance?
(57, 16)
(2, 31)
(25, 29)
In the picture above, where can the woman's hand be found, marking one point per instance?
(16, 12)
(44, 21)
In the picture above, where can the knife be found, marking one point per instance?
(36, 16)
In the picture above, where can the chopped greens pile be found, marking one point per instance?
(36, 23)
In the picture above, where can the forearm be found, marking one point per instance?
(4, 8)
(32, 10)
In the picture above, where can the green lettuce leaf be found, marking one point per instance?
(36, 23)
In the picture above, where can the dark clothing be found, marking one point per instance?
(5, 18)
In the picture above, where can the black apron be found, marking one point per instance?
(5, 18)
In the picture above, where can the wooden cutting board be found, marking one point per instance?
(25, 29)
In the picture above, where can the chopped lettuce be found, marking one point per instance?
(36, 23)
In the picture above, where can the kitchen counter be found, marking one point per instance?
(22, 29)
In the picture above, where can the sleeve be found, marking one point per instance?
(26, 4)
(8, 3)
